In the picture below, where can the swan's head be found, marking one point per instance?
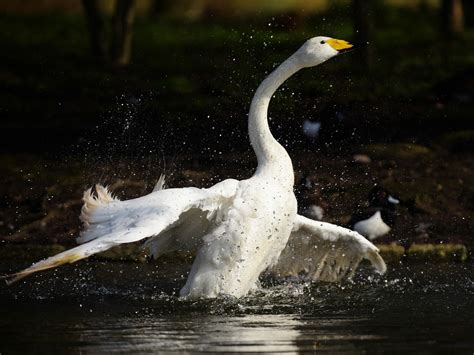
(319, 49)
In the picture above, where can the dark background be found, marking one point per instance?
(194, 65)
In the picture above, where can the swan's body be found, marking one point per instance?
(238, 229)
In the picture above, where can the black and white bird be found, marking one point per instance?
(379, 217)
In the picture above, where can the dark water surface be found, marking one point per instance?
(95, 307)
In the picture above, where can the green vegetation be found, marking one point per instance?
(438, 252)
(396, 151)
(49, 79)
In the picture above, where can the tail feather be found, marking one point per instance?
(91, 202)
(68, 256)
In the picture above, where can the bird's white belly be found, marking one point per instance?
(372, 227)
(251, 237)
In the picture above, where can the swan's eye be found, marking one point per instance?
(322, 42)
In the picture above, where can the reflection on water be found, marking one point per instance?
(223, 333)
(119, 307)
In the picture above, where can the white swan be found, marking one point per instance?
(238, 229)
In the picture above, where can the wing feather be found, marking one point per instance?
(326, 252)
(109, 222)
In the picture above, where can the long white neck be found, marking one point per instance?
(269, 152)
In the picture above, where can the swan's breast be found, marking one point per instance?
(254, 231)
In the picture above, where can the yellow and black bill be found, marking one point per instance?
(342, 46)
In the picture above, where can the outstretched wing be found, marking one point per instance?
(109, 222)
(326, 252)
